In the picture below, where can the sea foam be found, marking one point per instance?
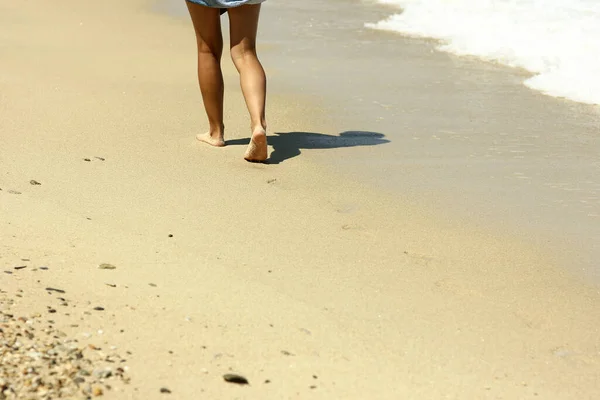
(557, 40)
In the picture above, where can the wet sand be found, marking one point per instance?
(466, 137)
(305, 284)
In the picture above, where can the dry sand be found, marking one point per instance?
(307, 285)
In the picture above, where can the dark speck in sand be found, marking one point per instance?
(21, 267)
(99, 308)
(100, 158)
(170, 235)
(234, 378)
(8, 272)
(34, 182)
(44, 268)
(55, 290)
(86, 159)
(165, 390)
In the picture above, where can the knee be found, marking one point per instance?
(204, 49)
(242, 54)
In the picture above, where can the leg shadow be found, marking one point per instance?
(289, 145)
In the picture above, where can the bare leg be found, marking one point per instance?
(207, 24)
(243, 22)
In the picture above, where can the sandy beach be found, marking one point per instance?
(305, 282)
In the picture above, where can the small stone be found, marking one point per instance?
(97, 391)
(21, 267)
(106, 266)
(234, 378)
(34, 182)
(102, 373)
(165, 390)
(50, 289)
(86, 159)
(170, 235)
(99, 308)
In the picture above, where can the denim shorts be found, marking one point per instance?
(224, 3)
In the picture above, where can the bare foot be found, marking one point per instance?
(213, 141)
(257, 149)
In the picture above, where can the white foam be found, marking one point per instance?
(557, 40)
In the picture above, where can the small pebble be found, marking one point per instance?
(164, 390)
(99, 308)
(106, 266)
(234, 378)
(50, 289)
(34, 182)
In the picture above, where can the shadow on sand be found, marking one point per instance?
(288, 145)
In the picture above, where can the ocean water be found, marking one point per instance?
(557, 40)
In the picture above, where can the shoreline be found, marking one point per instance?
(466, 137)
(306, 284)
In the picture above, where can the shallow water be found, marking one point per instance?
(557, 40)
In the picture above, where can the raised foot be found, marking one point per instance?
(257, 149)
(207, 138)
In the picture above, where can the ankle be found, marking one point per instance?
(216, 130)
(259, 126)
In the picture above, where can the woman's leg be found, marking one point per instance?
(243, 22)
(207, 24)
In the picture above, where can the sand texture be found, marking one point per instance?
(189, 264)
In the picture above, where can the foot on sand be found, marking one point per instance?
(213, 140)
(257, 149)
